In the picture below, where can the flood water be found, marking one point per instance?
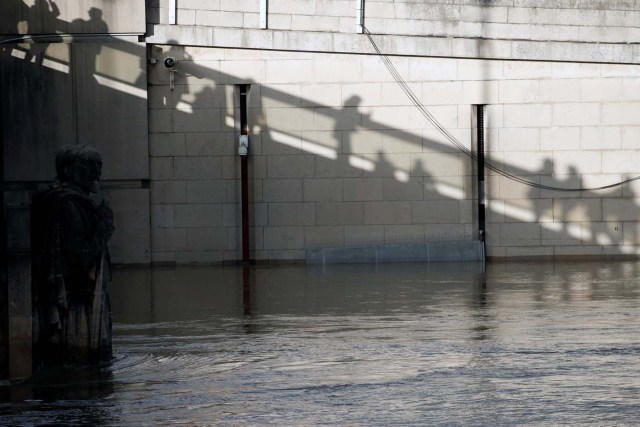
(362, 345)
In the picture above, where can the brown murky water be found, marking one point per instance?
(401, 344)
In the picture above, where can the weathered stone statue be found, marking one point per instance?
(69, 233)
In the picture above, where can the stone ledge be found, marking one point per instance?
(463, 251)
(308, 41)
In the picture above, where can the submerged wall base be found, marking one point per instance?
(428, 252)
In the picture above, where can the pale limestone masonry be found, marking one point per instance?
(340, 157)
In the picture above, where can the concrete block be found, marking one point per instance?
(250, 20)
(436, 164)
(362, 94)
(321, 95)
(168, 239)
(604, 233)
(200, 4)
(400, 141)
(342, 167)
(518, 234)
(198, 215)
(392, 189)
(620, 209)
(440, 93)
(240, 6)
(282, 190)
(519, 91)
(339, 213)
(620, 162)
(186, 17)
(158, 257)
(289, 71)
(576, 210)
(362, 189)
(631, 89)
(576, 114)
(314, 23)
(514, 70)
(514, 252)
(484, 13)
(560, 90)
(161, 168)
(210, 144)
(281, 143)
(283, 238)
(207, 239)
(162, 216)
(601, 138)
(449, 232)
(420, 69)
(323, 237)
(601, 89)
(334, 8)
(346, 119)
(293, 119)
(294, 166)
(560, 139)
(478, 69)
(197, 168)
(509, 189)
(160, 120)
(214, 18)
(242, 71)
(322, 190)
(337, 69)
(623, 113)
(199, 120)
(518, 139)
(279, 21)
(168, 192)
(363, 235)
(389, 165)
(534, 115)
(404, 234)
(480, 92)
(494, 116)
(362, 141)
(166, 144)
(281, 214)
(631, 137)
(207, 191)
(435, 211)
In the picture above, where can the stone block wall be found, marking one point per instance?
(341, 158)
(603, 21)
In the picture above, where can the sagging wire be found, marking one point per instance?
(453, 140)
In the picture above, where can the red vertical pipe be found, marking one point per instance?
(244, 176)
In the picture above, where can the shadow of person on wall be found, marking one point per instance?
(41, 14)
(89, 52)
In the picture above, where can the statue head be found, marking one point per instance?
(80, 165)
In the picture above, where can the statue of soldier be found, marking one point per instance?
(69, 234)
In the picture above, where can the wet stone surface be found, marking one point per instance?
(394, 344)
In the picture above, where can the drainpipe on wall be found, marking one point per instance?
(243, 152)
(172, 12)
(360, 16)
(264, 10)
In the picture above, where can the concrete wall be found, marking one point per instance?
(616, 21)
(341, 157)
(77, 16)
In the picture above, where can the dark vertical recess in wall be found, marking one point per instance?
(481, 183)
(4, 284)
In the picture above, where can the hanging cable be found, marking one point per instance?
(453, 140)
